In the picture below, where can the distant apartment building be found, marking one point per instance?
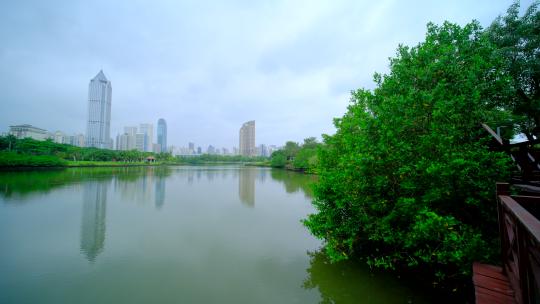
(76, 140)
(211, 150)
(140, 142)
(247, 139)
(162, 135)
(60, 138)
(131, 131)
(156, 148)
(26, 130)
(127, 140)
(148, 131)
(122, 142)
(263, 151)
(191, 147)
(99, 113)
(271, 149)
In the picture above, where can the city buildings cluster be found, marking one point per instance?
(141, 137)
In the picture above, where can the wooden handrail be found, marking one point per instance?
(531, 223)
(520, 245)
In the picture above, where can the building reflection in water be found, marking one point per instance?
(160, 191)
(94, 209)
(246, 186)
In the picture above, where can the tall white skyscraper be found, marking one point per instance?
(99, 113)
(247, 139)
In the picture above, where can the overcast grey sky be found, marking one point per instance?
(207, 67)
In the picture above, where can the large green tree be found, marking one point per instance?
(407, 181)
(518, 44)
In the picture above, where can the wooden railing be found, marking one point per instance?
(519, 228)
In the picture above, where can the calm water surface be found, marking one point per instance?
(216, 234)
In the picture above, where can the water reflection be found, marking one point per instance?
(353, 282)
(160, 191)
(94, 208)
(146, 186)
(295, 182)
(246, 186)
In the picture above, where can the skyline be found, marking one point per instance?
(201, 68)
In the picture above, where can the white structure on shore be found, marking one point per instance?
(26, 130)
(99, 113)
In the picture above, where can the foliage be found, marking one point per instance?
(206, 158)
(32, 147)
(11, 159)
(278, 159)
(297, 157)
(518, 44)
(291, 149)
(407, 181)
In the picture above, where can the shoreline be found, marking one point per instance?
(93, 164)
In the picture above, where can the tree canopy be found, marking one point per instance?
(517, 41)
(407, 181)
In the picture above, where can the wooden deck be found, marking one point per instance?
(491, 285)
(518, 211)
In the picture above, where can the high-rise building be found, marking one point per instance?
(148, 131)
(130, 130)
(263, 151)
(127, 140)
(247, 139)
(140, 139)
(162, 134)
(99, 113)
(76, 140)
(191, 147)
(60, 138)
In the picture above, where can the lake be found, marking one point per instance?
(178, 234)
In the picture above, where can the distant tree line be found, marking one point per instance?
(206, 158)
(34, 153)
(15, 152)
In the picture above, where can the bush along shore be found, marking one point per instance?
(296, 157)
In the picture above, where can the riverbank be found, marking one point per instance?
(288, 167)
(12, 160)
(73, 164)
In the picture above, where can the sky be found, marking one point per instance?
(206, 67)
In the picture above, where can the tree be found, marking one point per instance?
(518, 44)
(407, 181)
(278, 159)
(310, 143)
(290, 149)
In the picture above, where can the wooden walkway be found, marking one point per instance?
(518, 211)
(491, 285)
